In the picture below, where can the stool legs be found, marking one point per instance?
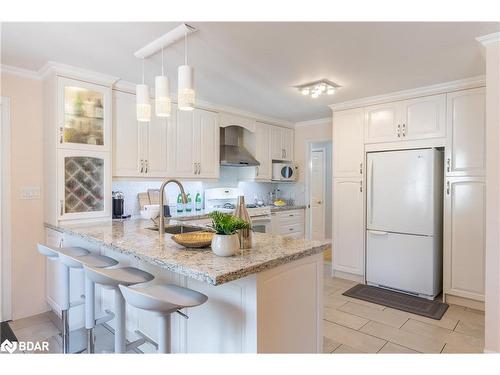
(65, 308)
(120, 340)
(164, 332)
(90, 313)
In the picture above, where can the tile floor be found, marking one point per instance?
(350, 326)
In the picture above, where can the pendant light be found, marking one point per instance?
(143, 107)
(162, 93)
(186, 93)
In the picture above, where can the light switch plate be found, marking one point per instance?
(30, 192)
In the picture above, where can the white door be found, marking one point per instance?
(465, 151)
(206, 143)
(277, 143)
(348, 225)
(382, 123)
(400, 187)
(317, 199)
(287, 144)
(126, 136)
(464, 237)
(263, 152)
(423, 118)
(180, 139)
(348, 144)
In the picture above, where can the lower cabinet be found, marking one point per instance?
(464, 237)
(348, 226)
(288, 223)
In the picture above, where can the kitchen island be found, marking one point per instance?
(267, 299)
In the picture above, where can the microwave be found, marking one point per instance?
(285, 172)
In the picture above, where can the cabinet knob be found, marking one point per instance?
(361, 186)
(360, 168)
(448, 187)
(448, 164)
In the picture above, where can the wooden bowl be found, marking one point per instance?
(194, 239)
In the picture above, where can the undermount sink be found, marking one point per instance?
(176, 229)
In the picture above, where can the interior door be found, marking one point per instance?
(423, 118)
(317, 198)
(400, 191)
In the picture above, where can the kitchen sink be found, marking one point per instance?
(176, 229)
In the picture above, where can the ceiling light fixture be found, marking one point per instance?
(317, 88)
(162, 93)
(186, 93)
(143, 107)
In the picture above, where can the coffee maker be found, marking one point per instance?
(118, 205)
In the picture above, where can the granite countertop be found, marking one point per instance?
(287, 208)
(131, 236)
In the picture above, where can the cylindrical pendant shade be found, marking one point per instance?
(143, 105)
(162, 97)
(186, 94)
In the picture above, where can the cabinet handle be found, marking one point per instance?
(142, 166)
(448, 164)
(199, 168)
(61, 204)
(194, 168)
(361, 186)
(257, 171)
(360, 168)
(399, 131)
(61, 134)
(146, 162)
(448, 187)
(404, 130)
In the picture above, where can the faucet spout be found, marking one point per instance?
(161, 225)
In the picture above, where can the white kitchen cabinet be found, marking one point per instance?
(348, 226)
(413, 119)
(348, 143)
(262, 134)
(282, 143)
(465, 149)
(193, 145)
(464, 237)
(290, 223)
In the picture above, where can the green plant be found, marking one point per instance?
(227, 224)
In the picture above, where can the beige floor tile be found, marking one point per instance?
(29, 321)
(329, 345)
(333, 301)
(38, 332)
(344, 319)
(427, 330)
(346, 349)
(466, 315)
(356, 339)
(407, 339)
(465, 343)
(461, 349)
(391, 348)
(392, 318)
(470, 329)
(444, 322)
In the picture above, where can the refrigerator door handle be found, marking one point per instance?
(370, 195)
(378, 232)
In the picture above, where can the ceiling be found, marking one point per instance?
(253, 65)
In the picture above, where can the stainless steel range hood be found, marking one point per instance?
(232, 152)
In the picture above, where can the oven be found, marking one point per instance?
(261, 223)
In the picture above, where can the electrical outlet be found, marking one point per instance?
(30, 192)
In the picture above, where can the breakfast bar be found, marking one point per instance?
(266, 299)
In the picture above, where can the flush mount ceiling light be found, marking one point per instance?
(317, 88)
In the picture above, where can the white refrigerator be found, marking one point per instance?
(404, 221)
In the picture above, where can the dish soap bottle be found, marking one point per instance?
(189, 206)
(197, 201)
(180, 205)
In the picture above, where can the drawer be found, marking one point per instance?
(291, 228)
(290, 217)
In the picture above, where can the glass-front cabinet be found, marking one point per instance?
(84, 185)
(83, 115)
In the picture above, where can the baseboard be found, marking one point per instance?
(348, 276)
(466, 302)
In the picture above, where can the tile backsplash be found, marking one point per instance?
(228, 178)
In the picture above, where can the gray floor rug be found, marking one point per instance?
(400, 301)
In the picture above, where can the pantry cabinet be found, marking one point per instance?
(464, 237)
(413, 119)
(348, 226)
(348, 143)
(281, 143)
(465, 149)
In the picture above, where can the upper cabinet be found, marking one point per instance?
(281, 143)
(465, 149)
(348, 143)
(263, 172)
(206, 143)
(413, 119)
(84, 110)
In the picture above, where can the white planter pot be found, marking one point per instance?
(225, 246)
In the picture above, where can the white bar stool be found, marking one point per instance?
(94, 260)
(162, 299)
(65, 285)
(111, 278)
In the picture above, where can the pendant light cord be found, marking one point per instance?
(143, 70)
(185, 48)
(162, 73)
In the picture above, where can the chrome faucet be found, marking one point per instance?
(162, 211)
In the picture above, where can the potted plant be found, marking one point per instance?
(225, 241)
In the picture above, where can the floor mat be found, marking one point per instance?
(6, 333)
(400, 301)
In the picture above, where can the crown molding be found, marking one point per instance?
(319, 121)
(69, 71)
(20, 72)
(489, 39)
(439, 88)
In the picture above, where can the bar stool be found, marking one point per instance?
(66, 304)
(112, 278)
(163, 299)
(69, 260)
